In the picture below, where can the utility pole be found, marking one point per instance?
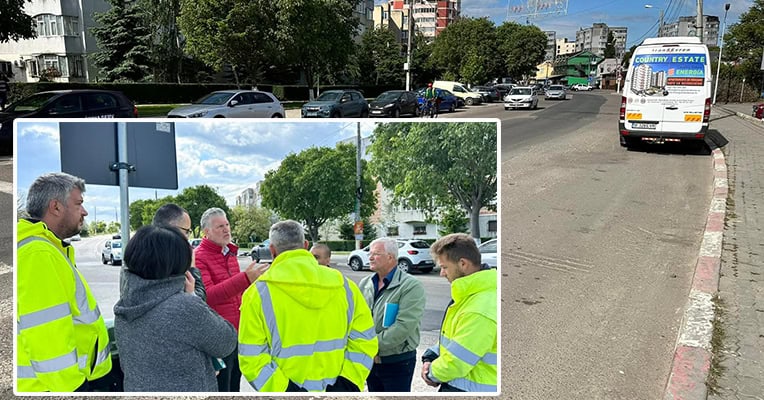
(699, 21)
(410, 41)
(358, 190)
(721, 47)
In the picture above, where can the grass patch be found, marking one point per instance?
(155, 110)
(717, 347)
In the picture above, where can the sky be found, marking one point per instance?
(640, 21)
(227, 155)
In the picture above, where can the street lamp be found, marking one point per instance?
(660, 25)
(721, 47)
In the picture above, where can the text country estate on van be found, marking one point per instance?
(672, 59)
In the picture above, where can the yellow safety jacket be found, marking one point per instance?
(467, 349)
(306, 323)
(61, 337)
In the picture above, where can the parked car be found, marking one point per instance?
(758, 111)
(80, 103)
(195, 242)
(448, 102)
(461, 91)
(413, 255)
(503, 88)
(394, 103)
(581, 86)
(555, 92)
(490, 94)
(488, 253)
(521, 97)
(232, 104)
(261, 251)
(337, 104)
(112, 252)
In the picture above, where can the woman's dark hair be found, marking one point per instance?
(158, 252)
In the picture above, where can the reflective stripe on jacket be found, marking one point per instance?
(467, 348)
(61, 337)
(304, 323)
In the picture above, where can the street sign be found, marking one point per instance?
(358, 228)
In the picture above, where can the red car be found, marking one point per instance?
(758, 111)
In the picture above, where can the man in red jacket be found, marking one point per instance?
(225, 283)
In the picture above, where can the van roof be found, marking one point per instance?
(673, 40)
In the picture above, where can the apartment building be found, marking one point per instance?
(685, 26)
(565, 47)
(594, 39)
(551, 45)
(63, 42)
(430, 17)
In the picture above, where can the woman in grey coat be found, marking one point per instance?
(166, 337)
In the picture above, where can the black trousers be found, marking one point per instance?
(229, 378)
(392, 377)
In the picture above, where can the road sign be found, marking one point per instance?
(358, 228)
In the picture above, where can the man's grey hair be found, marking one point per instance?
(211, 212)
(389, 245)
(51, 186)
(287, 235)
(169, 214)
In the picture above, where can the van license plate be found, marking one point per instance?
(643, 126)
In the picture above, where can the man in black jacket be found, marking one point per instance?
(172, 214)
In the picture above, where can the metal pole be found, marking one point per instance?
(699, 21)
(123, 192)
(410, 41)
(742, 85)
(660, 25)
(721, 47)
(358, 181)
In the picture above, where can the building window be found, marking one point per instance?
(392, 231)
(420, 229)
(56, 25)
(492, 226)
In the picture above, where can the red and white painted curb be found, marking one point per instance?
(692, 354)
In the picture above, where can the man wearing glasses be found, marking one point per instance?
(172, 214)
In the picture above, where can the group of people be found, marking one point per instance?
(192, 321)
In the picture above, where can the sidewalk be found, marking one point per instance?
(741, 283)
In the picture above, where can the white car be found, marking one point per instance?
(521, 97)
(413, 255)
(232, 104)
(112, 252)
(488, 253)
(581, 86)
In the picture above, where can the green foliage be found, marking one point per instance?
(467, 51)
(522, 46)
(379, 57)
(113, 227)
(85, 231)
(627, 57)
(317, 185)
(249, 224)
(743, 43)
(97, 228)
(347, 233)
(610, 46)
(196, 200)
(453, 220)
(168, 59)
(124, 41)
(428, 166)
(424, 70)
(16, 24)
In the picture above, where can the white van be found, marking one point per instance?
(667, 92)
(460, 91)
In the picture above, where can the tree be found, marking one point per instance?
(347, 232)
(113, 227)
(97, 227)
(627, 57)
(241, 33)
(743, 43)
(136, 213)
(423, 69)
(379, 56)
(166, 43)
(16, 24)
(317, 185)
(522, 47)
(196, 200)
(453, 220)
(124, 41)
(475, 37)
(610, 46)
(249, 223)
(429, 166)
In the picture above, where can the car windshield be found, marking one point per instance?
(329, 96)
(116, 245)
(388, 96)
(523, 91)
(488, 247)
(419, 244)
(32, 103)
(216, 98)
(555, 87)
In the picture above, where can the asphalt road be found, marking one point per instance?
(598, 251)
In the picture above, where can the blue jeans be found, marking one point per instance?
(392, 377)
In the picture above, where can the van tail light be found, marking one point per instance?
(707, 111)
(623, 108)
(135, 111)
(412, 252)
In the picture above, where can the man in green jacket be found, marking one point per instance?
(397, 303)
(465, 359)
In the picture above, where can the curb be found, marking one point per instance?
(692, 353)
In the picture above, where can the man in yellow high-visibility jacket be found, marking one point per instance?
(465, 359)
(62, 342)
(304, 327)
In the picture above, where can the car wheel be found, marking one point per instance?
(536, 105)
(416, 112)
(469, 101)
(397, 113)
(336, 114)
(103, 260)
(506, 108)
(219, 116)
(111, 260)
(404, 265)
(364, 114)
(355, 264)
(452, 108)
(277, 116)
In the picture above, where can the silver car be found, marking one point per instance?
(232, 104)
(555, 92)
(488, 253)
(521, 97)
(112, 252)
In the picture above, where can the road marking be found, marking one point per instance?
(6, 187)
(555, 263)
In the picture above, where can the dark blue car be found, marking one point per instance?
(448, 101)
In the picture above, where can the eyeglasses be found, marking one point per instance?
(186, 231)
